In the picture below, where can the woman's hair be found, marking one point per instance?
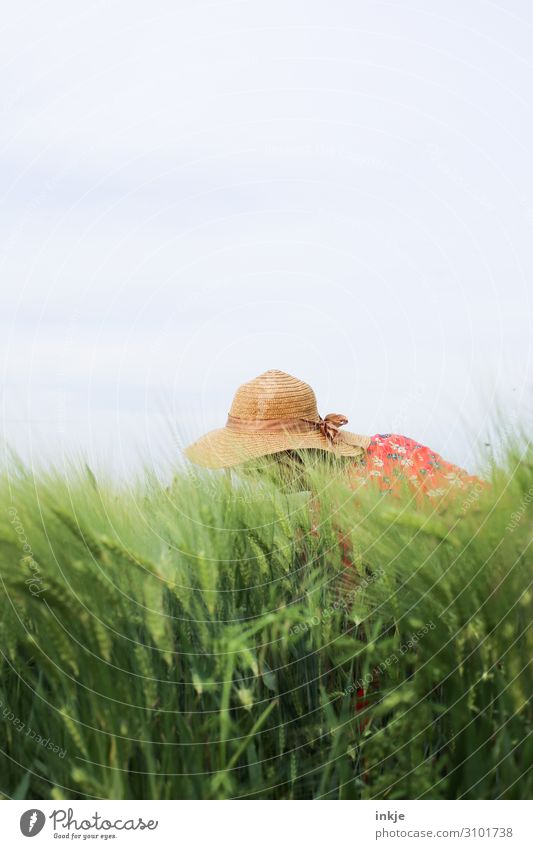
(292, 469)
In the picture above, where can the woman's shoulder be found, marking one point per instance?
(394, 441)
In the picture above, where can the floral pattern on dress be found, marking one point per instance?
(393, 460)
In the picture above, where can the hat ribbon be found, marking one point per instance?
(329, 426)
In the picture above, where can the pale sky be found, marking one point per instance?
(193, 193)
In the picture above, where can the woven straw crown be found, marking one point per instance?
(274, 412)
(274, 395)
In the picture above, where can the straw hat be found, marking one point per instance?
(274, 412)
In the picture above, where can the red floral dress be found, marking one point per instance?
(393, 460)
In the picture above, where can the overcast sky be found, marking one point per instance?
(193, 193)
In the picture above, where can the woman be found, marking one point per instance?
(276, 414)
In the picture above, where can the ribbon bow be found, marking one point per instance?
(329, 426)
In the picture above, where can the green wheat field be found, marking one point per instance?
(205, 640)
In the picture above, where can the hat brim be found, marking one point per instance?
(223, 448)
